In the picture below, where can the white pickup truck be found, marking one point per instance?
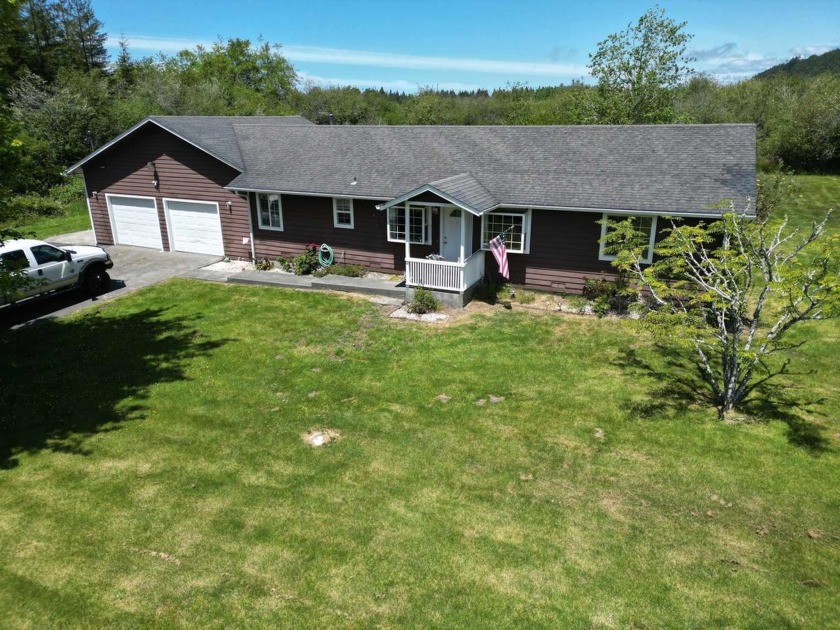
(51, 268)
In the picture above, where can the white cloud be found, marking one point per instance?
(807, 51)
(153, 44)
(371, 59)
(340, 56)
(399, 85)
(726, 63)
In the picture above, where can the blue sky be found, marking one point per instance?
(467, 44)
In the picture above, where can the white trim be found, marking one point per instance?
(170, 236)
(251, 225)
(343, 226)
(274, 228)
(429, 188)
(113, 223)
(124, 134)
(501, 205)
(526, 229)
(604, 256)
(301, 193)
(427, 224)
(90, 212)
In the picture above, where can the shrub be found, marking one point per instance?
(307, 261)
(285, 265)
(602, 306)
(488, 291)
(350, 271)
(422, 302)
(263, 264)
(23, 208)
(594, 288)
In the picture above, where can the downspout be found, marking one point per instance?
(251, 229)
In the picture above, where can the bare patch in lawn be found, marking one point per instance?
(321, 437)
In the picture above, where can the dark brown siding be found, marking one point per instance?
(184, 172)
(563, 254)
(310, 220)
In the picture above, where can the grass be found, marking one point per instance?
(153, 472)
(76, 219)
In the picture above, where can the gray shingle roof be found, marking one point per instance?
(215, 134)
(212, 134)
(468, 190)
(662, 168)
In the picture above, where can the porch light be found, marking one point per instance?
(155, 179)
(229, 207)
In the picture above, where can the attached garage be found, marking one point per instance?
(134, 221)
(194, 226)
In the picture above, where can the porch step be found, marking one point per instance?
(268, 278)
(367, 286)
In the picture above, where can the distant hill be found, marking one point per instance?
(815, 64)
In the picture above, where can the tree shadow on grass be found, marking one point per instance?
(62, 381)
(679, 387)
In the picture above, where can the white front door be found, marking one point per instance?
(450, 234)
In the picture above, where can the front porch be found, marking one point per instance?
(443, 216)
(444, 275)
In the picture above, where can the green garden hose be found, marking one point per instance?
(325, 255)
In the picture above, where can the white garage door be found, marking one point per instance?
(135, 221)
(194, 226)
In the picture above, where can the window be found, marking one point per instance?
(46, 254)
(270, 211)
(644, 226)
(343, 212)
(14, 260)
(514, 225)
(419, 224)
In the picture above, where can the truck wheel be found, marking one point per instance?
(97, 280)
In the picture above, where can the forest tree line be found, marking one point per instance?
(63, 95)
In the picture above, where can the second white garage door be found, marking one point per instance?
(194, 226)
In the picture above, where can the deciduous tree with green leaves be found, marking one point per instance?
(638, 69)
(731, 290)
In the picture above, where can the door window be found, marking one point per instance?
(46, 254)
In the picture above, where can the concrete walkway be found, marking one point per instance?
(366, 286)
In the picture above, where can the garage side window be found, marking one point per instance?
(14, 261)
(270, 211)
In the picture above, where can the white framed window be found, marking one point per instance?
(270, 211)
(343, 212)
(644, 225)
(419, 224)
(516, 227)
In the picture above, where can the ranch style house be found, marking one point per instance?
(419, 200)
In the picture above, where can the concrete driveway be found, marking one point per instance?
(134, 268)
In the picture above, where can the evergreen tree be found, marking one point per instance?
(82, 39)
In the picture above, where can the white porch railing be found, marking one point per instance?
(443, 275)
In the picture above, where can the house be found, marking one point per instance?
(423, 200)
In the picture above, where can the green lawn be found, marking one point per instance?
(152, 472)
(155, 473)
(77, 219)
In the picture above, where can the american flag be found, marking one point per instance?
(497, 246)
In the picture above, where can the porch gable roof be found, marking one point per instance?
(462, 190)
